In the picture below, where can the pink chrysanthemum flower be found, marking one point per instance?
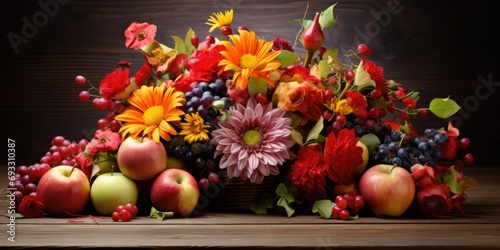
(254, 141)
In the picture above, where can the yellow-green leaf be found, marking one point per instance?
(327, 18)
(297, 137)
(257, 85)
(443, 108)
(324, 208)
(287, 57)
(187, 42)
(179, 44)
(288, 207)
(362, 78)
(313, 134)
(324, 69)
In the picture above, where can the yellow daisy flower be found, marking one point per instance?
(249, 56)
(150, 111)
(220, 20)
(194, 128)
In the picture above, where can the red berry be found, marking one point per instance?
(341, 119)
(80, 80)
(226, 30)
(363, 49)
(114, 125)
(203, 183)
(468, 159)
(213, 178)
(125, 215)
(84, 96)
(119, 208)
(195, 40)
(350, 75)
(46, 159)
(327, 95)
(261, 98)
(344, 214)
(73, 149)
(210, 39)
(374, 112)
(22, 170)
(359, 201)
(58, 140)
(132, 208)
(83, 144)
(241, 27)
(336, 212)
(464, 142)
(376, 94)
(115, 216)
(422, 112)
(102, 123)
(341, 202)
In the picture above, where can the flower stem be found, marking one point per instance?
(308, 59)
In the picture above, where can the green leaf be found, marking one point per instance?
(443, 108)
(305, 23)
(257, 85)
(451, 179)
(159, 214)
(260, 205)
(324, 208)
(405, 128)
(371, 141)
(415, 96)
(315, 131)
(14, 215)
(281, 190)
(379, 103)
(330, 53)
(327, 18)
(297, 137)
(187, 42)
(288, 207)
(180, 47)
(324, 69)
(287, 58)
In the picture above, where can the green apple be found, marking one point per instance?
(106, 162)
(110, 190)
(360, 169)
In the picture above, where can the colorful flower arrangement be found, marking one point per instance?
(254, 108)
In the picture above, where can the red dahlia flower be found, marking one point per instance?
(307, 173)
(343, 156)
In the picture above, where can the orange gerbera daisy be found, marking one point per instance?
(150, 111)
(248, 56)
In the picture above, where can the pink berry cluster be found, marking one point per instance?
(347, 205)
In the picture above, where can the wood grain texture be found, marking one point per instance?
(438, 48)
(477, 229)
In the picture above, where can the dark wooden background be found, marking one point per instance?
(440, 48)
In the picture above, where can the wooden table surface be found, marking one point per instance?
(478, 229)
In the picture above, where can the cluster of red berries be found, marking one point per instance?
(347, 205)
(125, 212)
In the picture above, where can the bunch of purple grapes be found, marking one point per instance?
(201, 154)
(405, 150)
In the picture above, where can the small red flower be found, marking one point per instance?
(358, 103)
(304, 72)
(114, 83)
(307, 173)
(139, 34)
(104, 140)
(343, 156)
(376, 73)
(31, 207)
(281, 44)
(143, 74)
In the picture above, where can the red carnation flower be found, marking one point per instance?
(114, 83)
(343, 156)
(204, 64)
(358, 103)
(377, 74)
(281, 44)
(307, 173)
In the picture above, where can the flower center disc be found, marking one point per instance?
(153, 115)
(248, 61)
(251, 137)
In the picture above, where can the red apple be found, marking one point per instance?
(175, 190)
(141, 159)
(389, 190)
(64, 191)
